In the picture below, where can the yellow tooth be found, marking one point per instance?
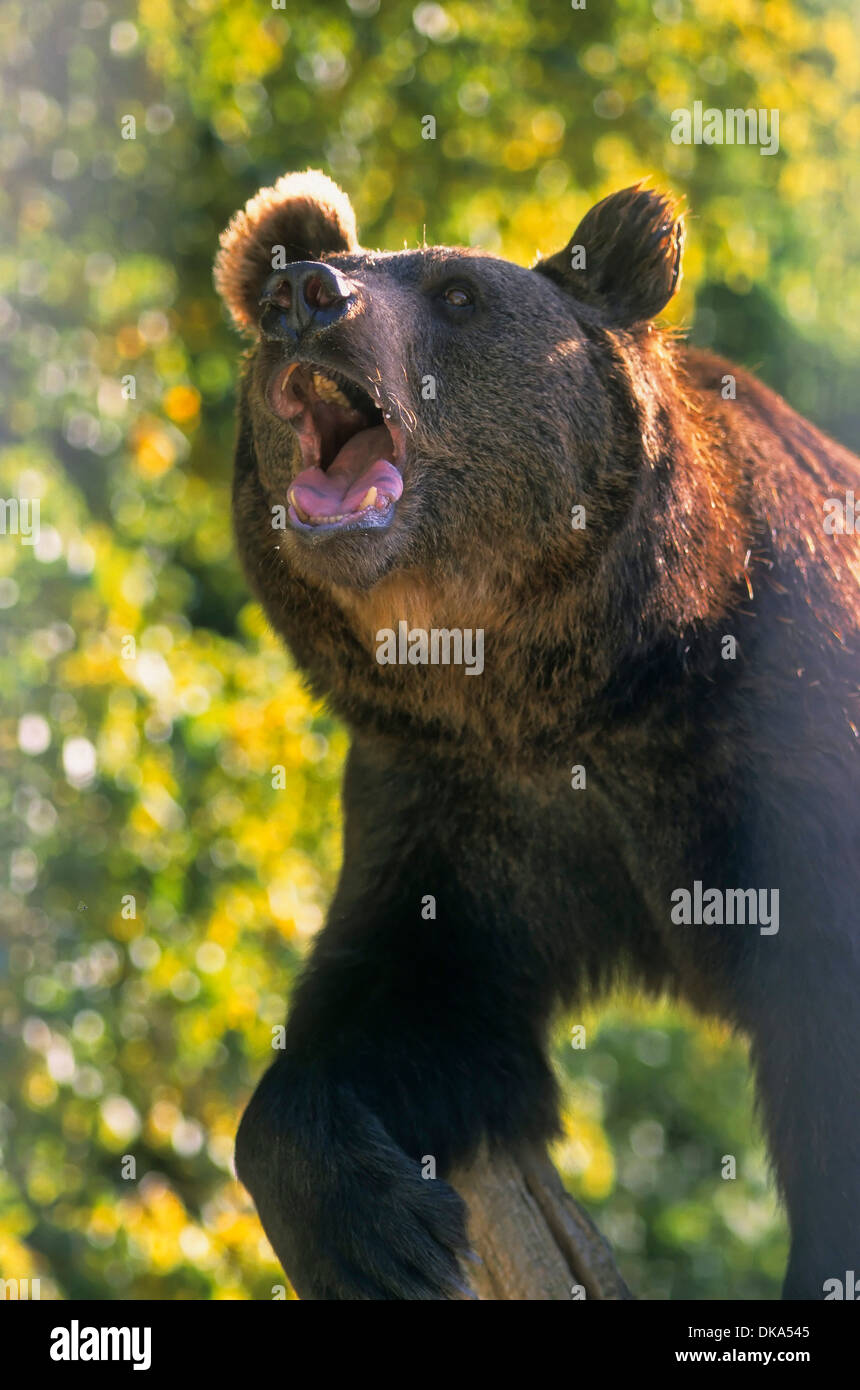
(368, 499)
(327, 390)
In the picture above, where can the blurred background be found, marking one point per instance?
(156, 893)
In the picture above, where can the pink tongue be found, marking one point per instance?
(343, 486)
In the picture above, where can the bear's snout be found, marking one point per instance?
(303, 298)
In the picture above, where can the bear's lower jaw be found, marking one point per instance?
(375, 516)
(360, 480)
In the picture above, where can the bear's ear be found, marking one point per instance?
(624, 259)
(305, 214)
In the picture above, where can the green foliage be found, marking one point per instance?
(146, 771)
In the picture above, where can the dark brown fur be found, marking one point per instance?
(603, 648)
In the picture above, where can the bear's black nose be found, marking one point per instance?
(307, 295)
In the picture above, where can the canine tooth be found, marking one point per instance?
(368, 500)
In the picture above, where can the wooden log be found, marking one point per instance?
(533, 1240)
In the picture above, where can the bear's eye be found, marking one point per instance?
(457, 297)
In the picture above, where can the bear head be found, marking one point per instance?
(437, 411)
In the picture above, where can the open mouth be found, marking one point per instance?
(350, 447)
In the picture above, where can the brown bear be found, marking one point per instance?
(582, 597)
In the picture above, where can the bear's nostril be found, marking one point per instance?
(282, 295)
(317, 295)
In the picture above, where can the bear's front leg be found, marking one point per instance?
(809, 1086)
(416, 1031)
(345, 1209)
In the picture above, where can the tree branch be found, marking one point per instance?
(533, 1240)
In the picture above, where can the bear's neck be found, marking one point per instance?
(569, 646)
